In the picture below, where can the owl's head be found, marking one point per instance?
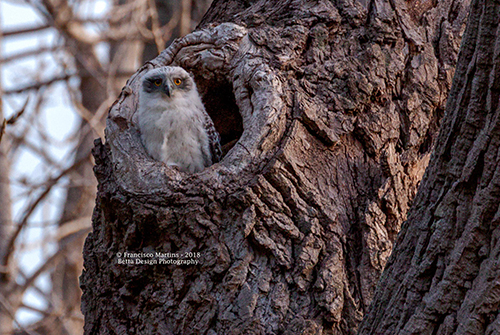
(169, 81)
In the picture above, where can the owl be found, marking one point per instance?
(175, 128)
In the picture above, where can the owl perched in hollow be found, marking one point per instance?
(175, 128)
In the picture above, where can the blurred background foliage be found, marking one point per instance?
(63, 63)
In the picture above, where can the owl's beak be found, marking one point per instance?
(166, 89)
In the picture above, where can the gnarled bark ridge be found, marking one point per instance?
(333, 108)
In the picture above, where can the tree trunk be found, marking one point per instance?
(333, 107)
(443, 277)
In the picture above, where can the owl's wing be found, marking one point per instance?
(213, 139)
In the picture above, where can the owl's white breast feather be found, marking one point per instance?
(173, 132)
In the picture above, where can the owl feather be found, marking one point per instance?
(175, 127)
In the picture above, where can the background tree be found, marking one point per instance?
(329, 111)
(5, 213)
(443, 275)
(100, 53)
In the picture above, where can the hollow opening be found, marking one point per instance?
(218, 98)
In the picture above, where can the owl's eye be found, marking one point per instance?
(177, 81)
(157, 82)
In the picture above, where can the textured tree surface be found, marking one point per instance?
(444, 275)
(329, 111)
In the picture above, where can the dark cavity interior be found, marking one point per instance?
(218, 98)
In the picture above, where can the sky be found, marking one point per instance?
(58, 121)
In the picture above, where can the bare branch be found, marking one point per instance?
(10, 310)
(51, 260)
(29, 210)
(28, 53)
(18, 114)
(155, 26)
(2, 128)
(38, 85)
(39, 150)
(12, 119)
(60, 15)
(27, 30)
(34, 309)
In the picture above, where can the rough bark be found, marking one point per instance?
(443, 276)
(334, 106)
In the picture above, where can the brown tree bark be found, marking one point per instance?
(333, 107)
(443, 276)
